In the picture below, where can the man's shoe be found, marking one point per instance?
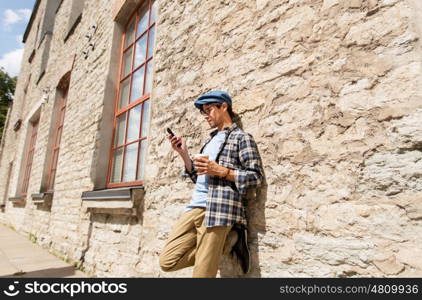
(241, 247)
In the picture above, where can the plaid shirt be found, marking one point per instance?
(238, 152)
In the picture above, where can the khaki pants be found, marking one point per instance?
(192, 244)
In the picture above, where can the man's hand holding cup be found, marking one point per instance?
(206, 166)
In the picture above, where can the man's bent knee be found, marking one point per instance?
(165, 264)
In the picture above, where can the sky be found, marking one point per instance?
(14, 17)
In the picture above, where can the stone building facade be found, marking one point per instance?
(330, 90)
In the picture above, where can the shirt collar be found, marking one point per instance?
(228, 129)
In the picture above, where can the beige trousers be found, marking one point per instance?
(192, 244)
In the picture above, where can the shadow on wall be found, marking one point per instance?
(45, 273)
(255, 215)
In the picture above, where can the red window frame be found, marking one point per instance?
(144, 93)
(61, 109)
(29, 158)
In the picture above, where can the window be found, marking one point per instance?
(37, 35)
(131, 119)
(48, 20)
(25, 90)
(9, 175)
(55, 146)
(75, 17)
(46, 33)
(32, 55)
(60, 5)
(29, 157)
(3, 130)
(27, 84)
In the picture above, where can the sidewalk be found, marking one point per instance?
(19, 257)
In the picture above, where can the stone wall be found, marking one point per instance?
(329, 89)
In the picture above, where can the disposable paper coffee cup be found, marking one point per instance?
(200, 155)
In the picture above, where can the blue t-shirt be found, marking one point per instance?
(199, 195)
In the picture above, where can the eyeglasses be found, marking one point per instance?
(207, 111)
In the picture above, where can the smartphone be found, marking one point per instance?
(172, 134)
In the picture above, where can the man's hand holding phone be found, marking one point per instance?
(177, 143)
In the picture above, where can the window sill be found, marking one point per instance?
(42, 198)
(18, 200)
(119, 201)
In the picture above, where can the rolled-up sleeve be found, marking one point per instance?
(250, 175)
(192, 175)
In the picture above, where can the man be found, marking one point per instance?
(215, 219)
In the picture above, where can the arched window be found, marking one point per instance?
(59, 111)
(29, 155)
